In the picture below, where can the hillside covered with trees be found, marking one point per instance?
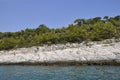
(94, 29)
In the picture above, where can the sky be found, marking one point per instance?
(16, 15)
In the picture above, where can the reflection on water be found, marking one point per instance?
(59, 72)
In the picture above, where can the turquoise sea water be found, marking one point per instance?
(59, 72)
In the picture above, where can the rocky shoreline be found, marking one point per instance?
(96, 53)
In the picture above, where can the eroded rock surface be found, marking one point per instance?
(92, 52)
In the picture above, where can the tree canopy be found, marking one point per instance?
(93, 29)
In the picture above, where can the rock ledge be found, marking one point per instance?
(84, 53)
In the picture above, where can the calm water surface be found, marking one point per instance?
(59, 72)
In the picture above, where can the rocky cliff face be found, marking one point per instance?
(92, 52)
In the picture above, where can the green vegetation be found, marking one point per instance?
(93, 29)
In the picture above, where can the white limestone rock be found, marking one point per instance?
(63, 53)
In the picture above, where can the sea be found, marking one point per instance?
(38, 72)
